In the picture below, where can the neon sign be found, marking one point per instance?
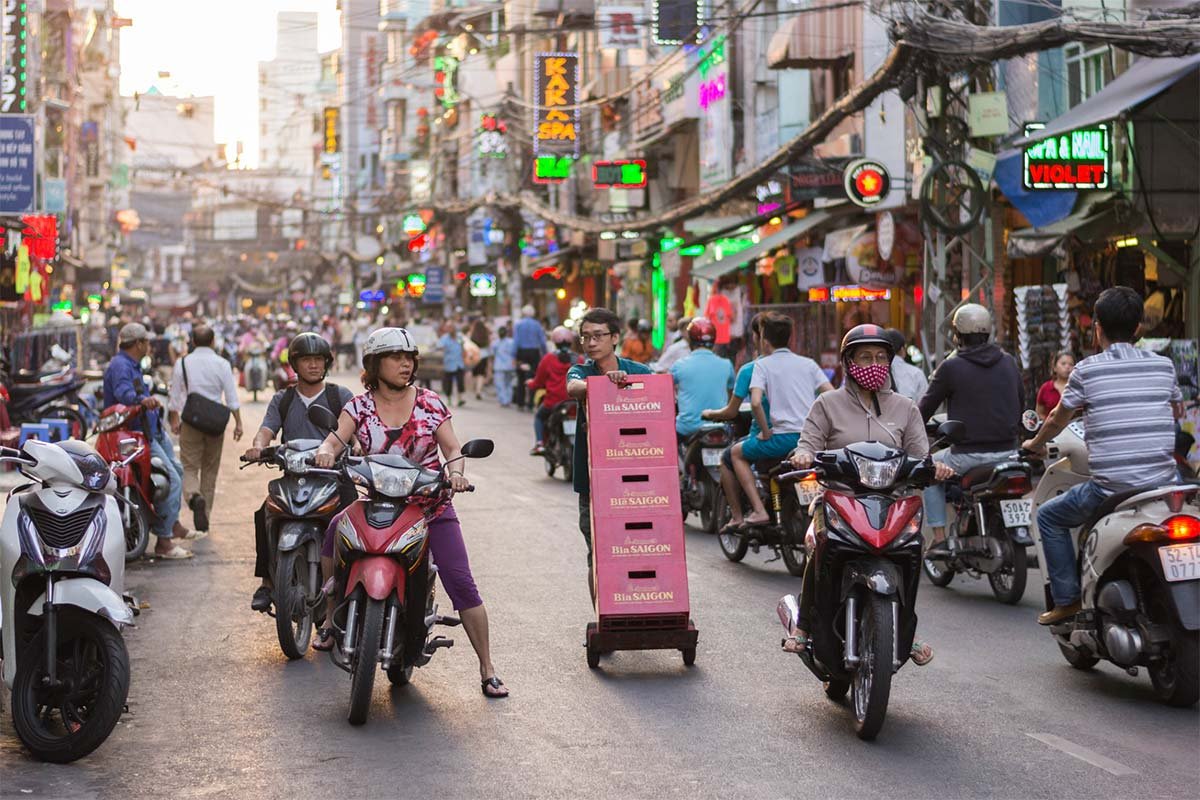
(552, 169)
(555, 78)
(332, 144)
(483, 284)
(847, 294)
(492, 140)
(619, 174)
(712, 91)
(1080, 159)
(13, 75)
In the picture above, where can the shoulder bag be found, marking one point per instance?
(206, 416)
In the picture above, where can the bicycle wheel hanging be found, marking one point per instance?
(952, 197)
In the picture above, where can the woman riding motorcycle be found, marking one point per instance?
(863, 409)
(396, 416)
(551, 376)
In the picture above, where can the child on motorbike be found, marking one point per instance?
(394, 415)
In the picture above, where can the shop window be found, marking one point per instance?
(827, 86)
(1088, 70)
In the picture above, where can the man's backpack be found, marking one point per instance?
(333, 399)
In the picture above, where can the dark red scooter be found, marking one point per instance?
(141, 478)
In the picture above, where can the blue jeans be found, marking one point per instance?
(168, 510)
(961, 463)
(504, 385)
(1055, 520)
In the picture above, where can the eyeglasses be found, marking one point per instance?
(594, 337)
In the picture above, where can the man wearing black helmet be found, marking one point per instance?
(311, 357)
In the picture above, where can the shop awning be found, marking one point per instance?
(549, 259)
(1098, 214)
(715, 269)
(1147, 78)
(815, 39)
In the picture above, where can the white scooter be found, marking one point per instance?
(1139, 569)
(62, 573)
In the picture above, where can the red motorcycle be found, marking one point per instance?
(142, 479)
(382, 571)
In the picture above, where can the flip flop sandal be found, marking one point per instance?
(918, 653)
(194, 535)
(730, 527)
(495, 684)
(795, 644)
(324, 641)
(176, 553)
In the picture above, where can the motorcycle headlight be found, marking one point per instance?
(877, 474)
(293, 461)
(396, 482)
(112, 422)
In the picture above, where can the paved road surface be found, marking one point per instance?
(216, 711)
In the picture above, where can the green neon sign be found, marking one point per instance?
(1078, 159)
(552, 169)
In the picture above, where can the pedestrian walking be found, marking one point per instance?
(453, 364)
(504, 366)
(481, 336)
(531, 346)
(201, 384)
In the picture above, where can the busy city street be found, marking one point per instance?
(215, 710)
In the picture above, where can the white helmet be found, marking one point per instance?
(389, 340)
(972, 318)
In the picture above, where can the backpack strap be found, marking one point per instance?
(285, 405)
(183, 366)
(333, 398)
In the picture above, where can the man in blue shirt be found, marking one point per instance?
(123, 384)
(600, 332)
(702, 379)
(530, 337)
(453, 364)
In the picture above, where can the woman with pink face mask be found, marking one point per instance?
(865, 409)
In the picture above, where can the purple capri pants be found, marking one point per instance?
(449, 552)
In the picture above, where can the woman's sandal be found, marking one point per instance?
(496, 686)
(796, 643)
(731, 527)
(921, 653)
(324, 641)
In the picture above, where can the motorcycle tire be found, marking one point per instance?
(1078, 660)
(550, 466)
(568, 471)
(836, 690)
(710, 511)
(293, 617)
(136, 522)
(76, 424)
(399, 675)
(938, 576)
(733, 545)
(1176, 679)
(794, 523)
(1008, 585)
(96, 642)
(872, 684)
(362, 676)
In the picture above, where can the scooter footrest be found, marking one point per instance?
(437, 642)
(448, 621)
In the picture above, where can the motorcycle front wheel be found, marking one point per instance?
(872, 684)
(64, 723)
(366, 652)
(136, 523)
(293, 617)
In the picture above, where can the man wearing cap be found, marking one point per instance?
(123, 384)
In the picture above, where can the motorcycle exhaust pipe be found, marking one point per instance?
(789, 613)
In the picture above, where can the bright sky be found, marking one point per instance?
(211, 48)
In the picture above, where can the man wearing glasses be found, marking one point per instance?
(599, 332)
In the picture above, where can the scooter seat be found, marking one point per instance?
(977, 475)
(1110, 505)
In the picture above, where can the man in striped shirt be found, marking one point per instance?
(1130, 400)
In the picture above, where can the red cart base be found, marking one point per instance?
(607, 640)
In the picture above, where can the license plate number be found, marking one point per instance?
(569, 427)
(1016, 513)
(711, 456)
(1180, 562)
(807, 491)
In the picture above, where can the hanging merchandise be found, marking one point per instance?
(785, 270)
(810, 267)
(1043, 328)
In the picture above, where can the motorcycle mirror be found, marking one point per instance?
(478, 448)
(952, 431)
(1031, 421)
(322, 417)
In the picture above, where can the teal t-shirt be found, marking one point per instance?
(581, 372)
(741, 388)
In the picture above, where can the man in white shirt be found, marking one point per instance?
(210, 376)
(679, 348)
(910, 381)
(790, 383)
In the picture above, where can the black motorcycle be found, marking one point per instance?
(700, 474)
(990, 531)
(299, 507)
(865, 570)
(787, 504)
(558, 448)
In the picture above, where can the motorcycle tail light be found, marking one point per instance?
(715, 437)
(1174, 529)
(1017, 485)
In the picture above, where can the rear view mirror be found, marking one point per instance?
(478, 448)
(1031, 421)
(952, 431)
(322, 417)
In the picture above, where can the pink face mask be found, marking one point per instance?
(872, 378)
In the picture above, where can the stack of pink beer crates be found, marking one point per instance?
(639, 565)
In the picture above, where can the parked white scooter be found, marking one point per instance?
(62, 572)
(1139, 569)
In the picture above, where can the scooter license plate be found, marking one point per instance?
(568, 427)
(711, 456)
(1180, 562)
(807, 490)
(1016, 513)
